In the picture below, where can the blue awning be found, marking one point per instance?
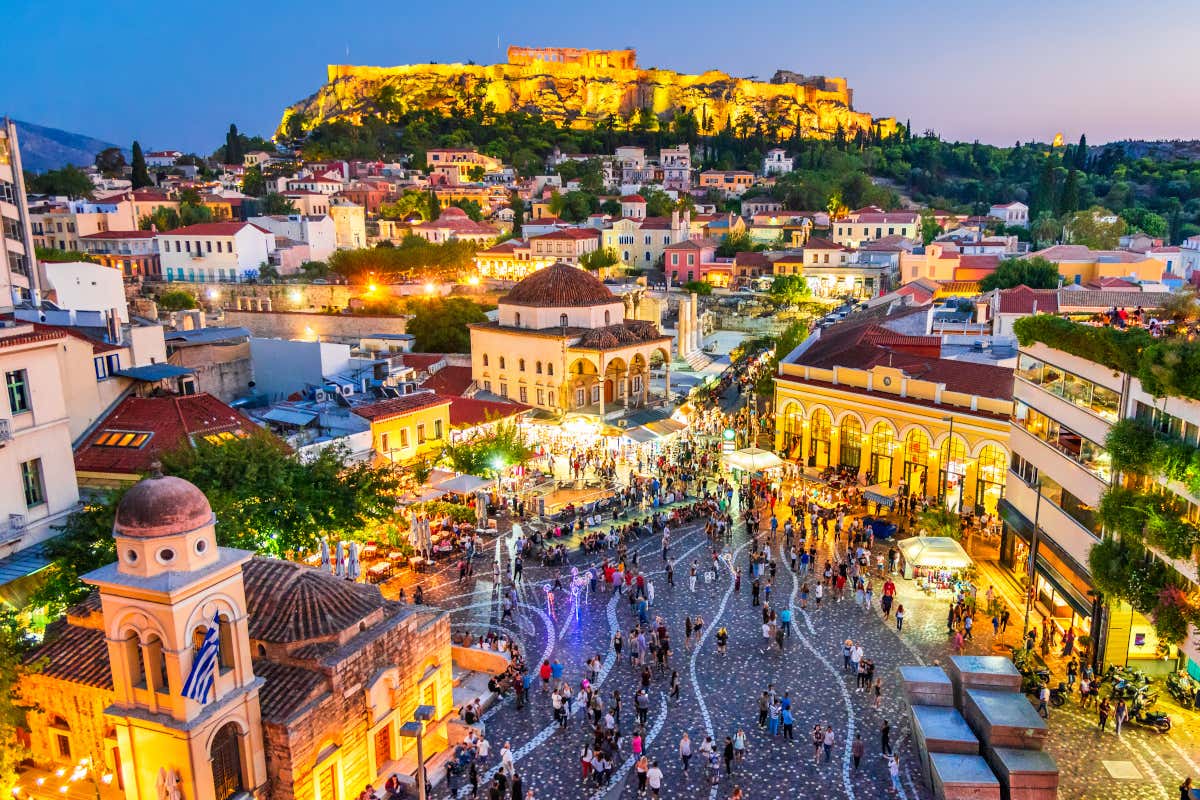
(154, 372)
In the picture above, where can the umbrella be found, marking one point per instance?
(938, 552)
(353, 568)
(340, 568)
(752, 459)
(463, 484)
(325, 553)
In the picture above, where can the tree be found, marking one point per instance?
(69, 181)
(702, 288)
(1081, 153)
(111, 162)
(1146, 221)
(408, 205)
(1093, 229)
(435, 207)
(253, 182)
(658, 202)
(440, 325)
(503, 447)
(599, 259)
(518, 208)
(177, 300)
(735, 243)
(930, 229)
(788, 290)
(233, 146)
(63, 256)
(275, 203)
(1036, 273)
(14, 645)
(791, 338)
(1046, 228)
(1068, 199)
(938, 520)
(475, 174)
(140, 176)
(470, 207)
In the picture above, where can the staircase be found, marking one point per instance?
(698, 360)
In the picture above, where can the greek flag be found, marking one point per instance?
(199, 682)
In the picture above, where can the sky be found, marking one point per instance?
(176, 74)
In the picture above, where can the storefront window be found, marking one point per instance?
(850, 436)
(953, 462)
(989, 481)
(916, 460)
(883, 441)
(822, 428)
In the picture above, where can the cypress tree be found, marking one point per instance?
(141, 175)
(435, 208)
(1081, 153)
(233, 146)
(1068, 201)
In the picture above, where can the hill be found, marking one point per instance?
(1162, 149)
(45, 148)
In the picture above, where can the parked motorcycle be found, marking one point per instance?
(1032, 686)
(1184, 688)
(1140, 713)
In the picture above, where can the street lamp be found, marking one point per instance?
(416, 730)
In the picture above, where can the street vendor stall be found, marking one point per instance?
(881, 494)
(934, 561)
(752, 459)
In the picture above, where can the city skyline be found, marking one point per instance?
(957, 77)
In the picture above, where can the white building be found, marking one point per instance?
(214, 251)
(285, 366)
(320, 185)
(349, 223)
(37, 470)
(869, 224)
(1012, 214)
(315, 230)
(1189, 255)
(17, 274)
(777, 162)
(83, 286)
(163, 158)
(676, 164)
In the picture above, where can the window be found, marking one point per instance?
(485, 359)
(208, 246)
(18, 391)
(31, 477)
(538, 368)
(521, 365)
(437, 429)
(562, 320)
(110, 438)
(1100, 400)
(504, 390)
(384, 442)
(501, 362)
(607, 318)
(541, 397)
(1088, 454)
(420, 433)
(487, 386)
(404, 437)
(549, 368)
(518, 319)
(524, 394)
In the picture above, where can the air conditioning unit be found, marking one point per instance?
(16, 522)
(5, 431)
(321, 396)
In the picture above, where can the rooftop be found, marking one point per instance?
(559, 286)
(399, 406)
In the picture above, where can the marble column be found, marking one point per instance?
(667, 394)
(683, 337)
(601, 392)
(628, 385)
(694, 326)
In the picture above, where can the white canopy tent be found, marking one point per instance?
(934, 552)
(463, 484)
(752, 459)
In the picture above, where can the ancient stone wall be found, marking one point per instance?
(342, 328)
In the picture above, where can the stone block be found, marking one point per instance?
(982, 672)
(1004, 719)
(927, 686)
(962, 777)
(1024, 774)
(938, 729)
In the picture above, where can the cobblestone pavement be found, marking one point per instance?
(720, 692)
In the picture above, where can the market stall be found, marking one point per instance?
(752, 459)
(935, 562)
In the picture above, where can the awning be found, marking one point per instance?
(752, 459)
(881, 493)
(936, 552)
(154, 372)
(289, 416)
(463, 484)
(19, 576)
(422, 495)
(640, 435)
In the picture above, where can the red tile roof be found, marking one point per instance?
(399, 406)
(420, 361)
(467, 412)
(170, 421)
(98, 346)
(451, 380)
(633, 198)
(559, 286)
(78, 655)
(106, 235)
(1022, 299)
(212, 229)
(29, 338)
(817, 243)
(572, 234)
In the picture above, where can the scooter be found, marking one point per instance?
(1140, 714)
(1183, 688)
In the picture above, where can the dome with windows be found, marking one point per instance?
(162, 505)
(560, 286)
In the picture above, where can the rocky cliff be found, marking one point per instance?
(582, 95)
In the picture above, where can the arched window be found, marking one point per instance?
(850, 445)
(916, 460)
(60, 732)
(820, 431)
(607, 318)
(501, 362)
(989, 478)
(226, 758)
(156, 665)
(518, 319)
(953, 469)
(549, 368)
(225, 639)
(521, 365)
(485, 359)
(538, 368)
(562, 320)
(883, 441)
(133, 659)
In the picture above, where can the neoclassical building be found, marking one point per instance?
(874, 395)
(315, 675)
(562, 343)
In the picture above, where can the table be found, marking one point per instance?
(379, 572)
(313, 560)
(395, 555)
(370, 550)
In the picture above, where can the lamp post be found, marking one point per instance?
(1032, 565)
(416, 730)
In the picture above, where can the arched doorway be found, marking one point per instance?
(883, 441)
(792, 425)
(850, 437)
(916, 460)
(989, 478)
(226, 755)
(953, 469)
(819, 437)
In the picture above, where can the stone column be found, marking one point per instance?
(602, 371)
(682, 336)
(646, 384)
(667, 394)
(694, 326)
(628, 385)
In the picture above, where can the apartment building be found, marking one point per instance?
(134, 253)
(640, 241)
(17, 264)
(872, 223)
(1064, 407)
(37, 476)
(61, 226)
(214, 251)
(568, 245)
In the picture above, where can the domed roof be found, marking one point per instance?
(560, 286)
(453, 212)
(162, 505)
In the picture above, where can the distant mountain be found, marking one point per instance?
(1163, 149)
(45, 148)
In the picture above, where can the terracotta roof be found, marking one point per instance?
(817, 243)
(399, 406)
(631, 331)
(1079, 252)
(574, 234)
(1103, 299)
(287, 688)
(872, 217)
(169, 421)
(1022, 299)
(691, 244)
(212, 229)
(449, 380)
(29, 338)
(456, 219)
(633, 198)
(78, 655)
(504, 248)
(289, 602)
(420, 361)
(891, 243)
(751, 258)
(467, 412)
(559, 286)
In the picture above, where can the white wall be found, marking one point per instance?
(81, 286)
(284, 366)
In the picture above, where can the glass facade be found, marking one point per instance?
(1088, 454)
(1099, 400)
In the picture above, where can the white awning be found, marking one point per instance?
(752, 459)
(463, 484)
(937, 552)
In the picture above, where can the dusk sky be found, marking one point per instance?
(176, 74)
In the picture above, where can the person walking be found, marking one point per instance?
(739, 745)
(685, 751)
(764, 707)
(1043, 696)
(878, 690)
(727, 755)
(857, 749)
(828, 742)
(692, 576)
(1120, 715)
(885, 738)
(899, 618)
(654, 779)
(818, 740)
(1103, 711)
(785, 716)
(894, 773)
